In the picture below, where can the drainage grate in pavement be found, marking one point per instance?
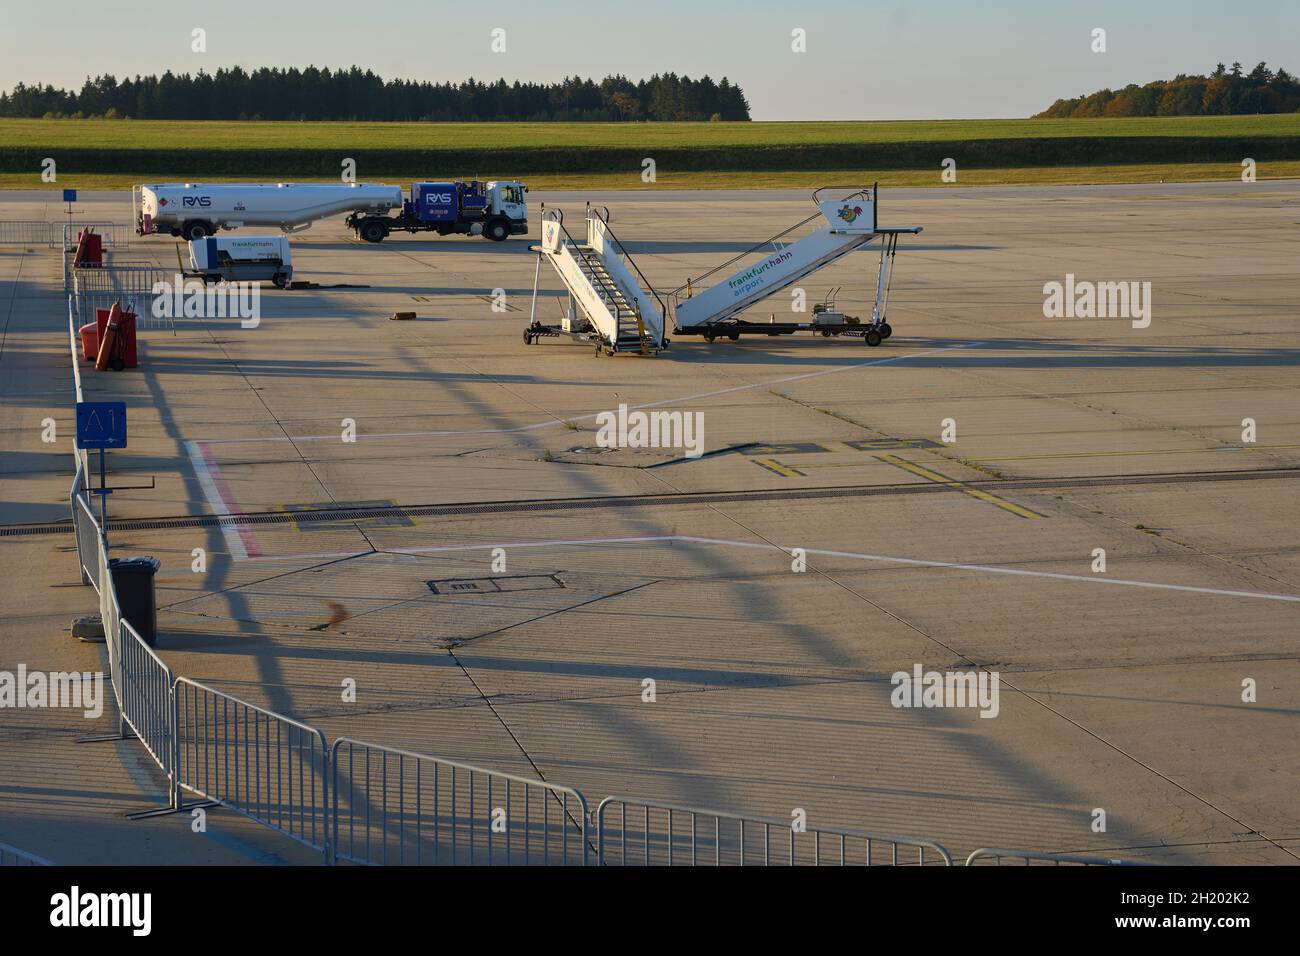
(337, 515)
(516, 582)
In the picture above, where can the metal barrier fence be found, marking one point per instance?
(87, 531)
(12, 856)
(144, 685)
(257, 763)
(397, 807)
(1031, 857)
(116, 235)
(661, 834)
(130, 284)
(27, 232)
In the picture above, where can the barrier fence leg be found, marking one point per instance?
(332, 805)
(174, 802)
(114, 666)
(173, 708)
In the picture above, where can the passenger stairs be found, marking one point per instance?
(611, 303)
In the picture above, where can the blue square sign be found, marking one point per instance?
(69, 195)
(101, 424)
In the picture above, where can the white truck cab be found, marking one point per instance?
(508, 201)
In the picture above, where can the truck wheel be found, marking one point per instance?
(372, 231)
(497, 230)
(196, 229)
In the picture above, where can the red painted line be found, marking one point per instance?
(251, 547)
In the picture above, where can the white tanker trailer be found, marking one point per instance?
(196, 210)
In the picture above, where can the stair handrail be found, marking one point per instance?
(610, 289)
(595, 210)
(864, 192)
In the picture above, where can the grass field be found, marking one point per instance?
(100, 153)
(808, 179)
(139, 134)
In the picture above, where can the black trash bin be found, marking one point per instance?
(133, 582)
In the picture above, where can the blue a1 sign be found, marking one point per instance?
(101, 424)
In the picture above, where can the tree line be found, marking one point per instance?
(356, 94)
(1224, 92)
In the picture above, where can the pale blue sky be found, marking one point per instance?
(871, 59)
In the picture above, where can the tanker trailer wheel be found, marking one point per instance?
(372, 231)
(497, 230)
(197, 229)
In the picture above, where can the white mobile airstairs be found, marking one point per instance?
(608, 306)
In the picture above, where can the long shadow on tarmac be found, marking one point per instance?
(967, 353)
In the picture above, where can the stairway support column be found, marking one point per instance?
(537, 278)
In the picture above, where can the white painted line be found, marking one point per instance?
(994, 569)
(239, 538)
(762, 545)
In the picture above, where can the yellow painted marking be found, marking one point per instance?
(957, 485)
(771, 464)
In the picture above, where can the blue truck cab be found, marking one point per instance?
(495, 210)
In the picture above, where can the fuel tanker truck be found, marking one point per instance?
(196, 210)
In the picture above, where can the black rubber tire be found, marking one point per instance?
(372, 232)
(734, 336)
(872, 338)
(280, 280)
(709, 337)
(885, 330)
(498, 230)
(193, 229)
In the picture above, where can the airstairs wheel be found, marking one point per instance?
(734, 336)
(873, 338)
(885, 330)
(709, 337)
